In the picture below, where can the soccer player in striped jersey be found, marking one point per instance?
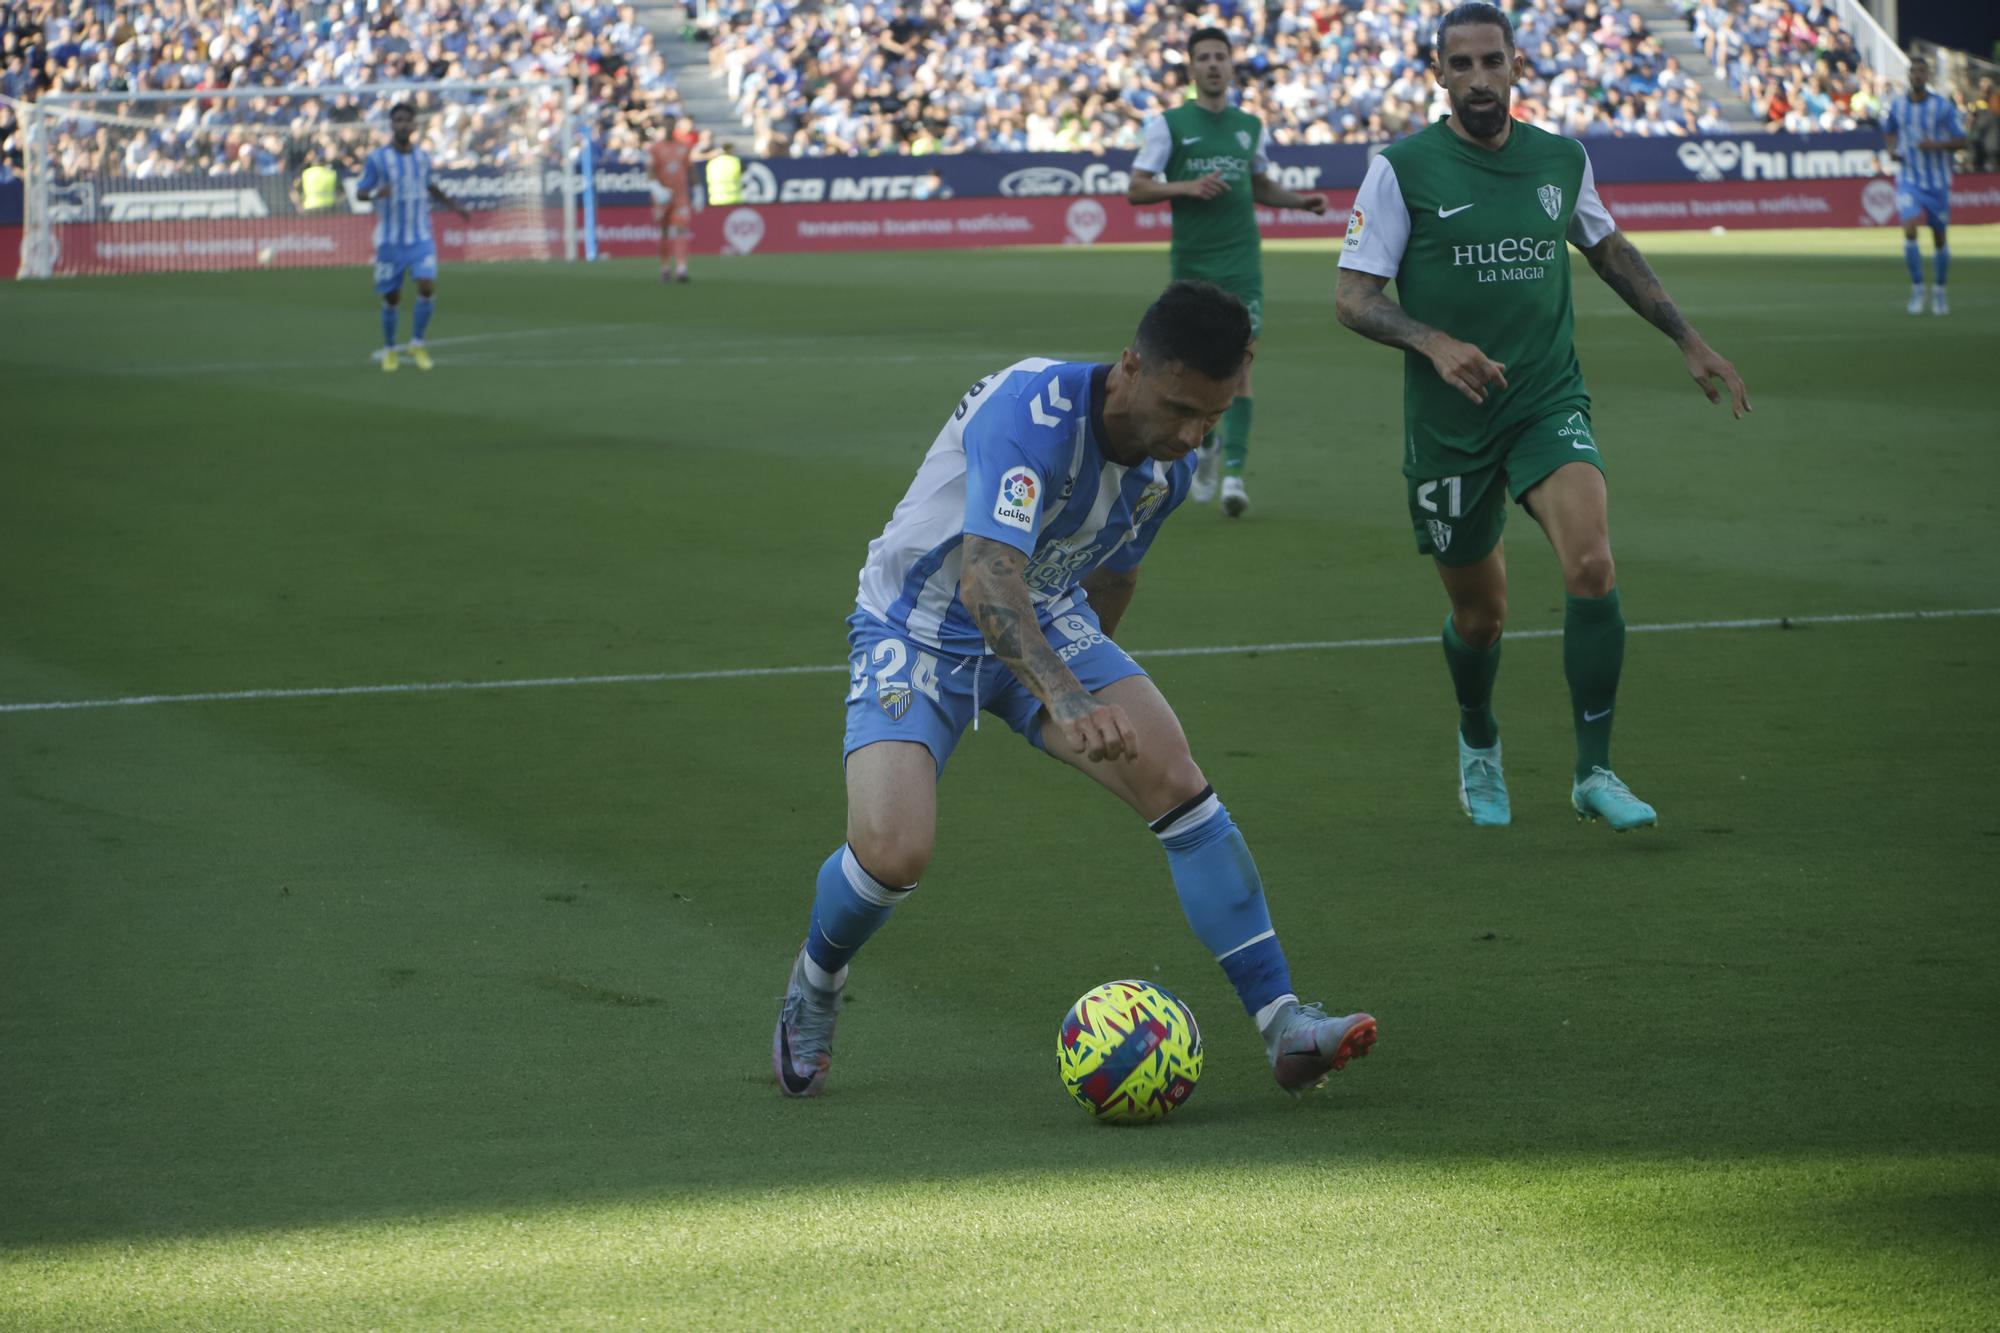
(1924, 129)
(397, 178)
(996, 587)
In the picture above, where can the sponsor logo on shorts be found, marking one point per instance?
(1082, 636)
(1440, 534)
(1577, 431)
(1015, 505)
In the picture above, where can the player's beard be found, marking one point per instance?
(1483, 121)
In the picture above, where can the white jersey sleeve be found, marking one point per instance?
(1260, 157)
(1592, 221)
(1156, 145)
(1378, 230)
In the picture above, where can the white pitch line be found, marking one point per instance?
(747, 673)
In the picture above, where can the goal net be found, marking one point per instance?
(242, 178)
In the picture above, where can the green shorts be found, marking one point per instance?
(1459, 518)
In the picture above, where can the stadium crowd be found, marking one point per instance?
(93, 46)
(921, 76)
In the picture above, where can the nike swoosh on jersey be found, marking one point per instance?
(1444, 212)
(1196, 139)
(1589, 716)
(1575, 445)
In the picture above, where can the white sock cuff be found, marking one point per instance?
(869, 889)
(1273, 1009)
(1188, 817)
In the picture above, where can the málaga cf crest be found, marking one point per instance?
(1552, 200)
(895, 700)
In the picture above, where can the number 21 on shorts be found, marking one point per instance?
(1454, 497)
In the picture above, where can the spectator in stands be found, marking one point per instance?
(1983, 130)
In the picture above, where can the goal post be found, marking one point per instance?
(149, 182)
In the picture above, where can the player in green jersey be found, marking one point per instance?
(1210, 160)
(1470, 217)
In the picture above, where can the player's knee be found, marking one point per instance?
(1480, 623)
(894, 854)
(1168, 781)
(1591, 573)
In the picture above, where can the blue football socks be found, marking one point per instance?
(420, 318)
(1223, 898)
(1942, 263)
(1915, 259)
(849, 906)
(388, 325)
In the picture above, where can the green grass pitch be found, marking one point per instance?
(452, 1009)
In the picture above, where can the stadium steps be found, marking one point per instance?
(703, 94)
(1665, 21)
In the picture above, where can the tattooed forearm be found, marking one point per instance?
(996, 595)
(1626, 272)
(1360, 303)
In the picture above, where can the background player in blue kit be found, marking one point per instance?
(996, 587)
(1924, 130)
(398, 179)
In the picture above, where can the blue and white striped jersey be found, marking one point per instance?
(1021, 461)
(404, 218)
(1915, 122)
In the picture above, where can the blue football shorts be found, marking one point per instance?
(1933, 205)
(392, 262)
(899, 690)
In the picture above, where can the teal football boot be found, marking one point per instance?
(1482, 791)
(1603, 796)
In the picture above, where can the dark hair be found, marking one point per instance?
(1197, 324)
(1207, 35)
(400, 107)
(1467, 16)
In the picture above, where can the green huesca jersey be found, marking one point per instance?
(1213, 238)
(1475, 240)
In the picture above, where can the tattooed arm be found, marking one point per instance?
(1625, 271)
(1360, 303)
(996, 596)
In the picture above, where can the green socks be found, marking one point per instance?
(1472, 673)
(1235, 435)
(1593, 655)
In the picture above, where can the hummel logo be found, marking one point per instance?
(1589, 716)
(1444, 212)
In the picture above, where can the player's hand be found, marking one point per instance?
(1466, 368)
(1314, 204)
(1207, 187)
(1097, 730)
(1707, 365)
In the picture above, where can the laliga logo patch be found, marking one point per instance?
(1015, 505)
(895, 700)
(743, 229)
(1085, 220)
(1357, 223)
(1440, 535)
